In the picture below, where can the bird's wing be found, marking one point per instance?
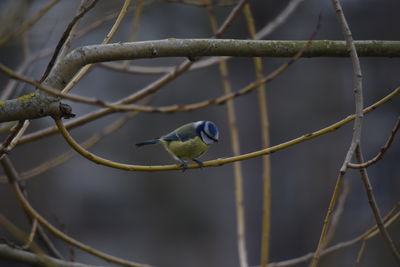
(171, 137)
(176, 137)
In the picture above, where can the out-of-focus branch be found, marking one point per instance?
(203, 3)
(139, 6)
(279, 20)
(29, 23)
(7, 141)
(392, 216)
(235, 144)
(231, 17)
(79, 75)
(18, 255)
(64, 38)
(13, 177)
(265, 142)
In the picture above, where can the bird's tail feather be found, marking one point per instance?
(148, 142)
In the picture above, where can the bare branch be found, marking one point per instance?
(381, 152)
(17, 255)
(356, 137)
(265, 142)
(110, 34)
(373, 231)
(64, 38)
(375, 209)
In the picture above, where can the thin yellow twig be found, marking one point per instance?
(108, 37)
(360, 253)
(31, 235)
(338, 212)
(20, 235)
(235, 144)
(265, 141)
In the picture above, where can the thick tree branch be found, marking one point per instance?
(193, 48)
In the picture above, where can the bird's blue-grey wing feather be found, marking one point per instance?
(171, 137)
(176, 137)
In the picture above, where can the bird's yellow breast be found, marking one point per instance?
(190, 149)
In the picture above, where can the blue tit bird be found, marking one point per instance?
(188, 142)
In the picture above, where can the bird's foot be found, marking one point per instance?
(201, 165)
(183, 166)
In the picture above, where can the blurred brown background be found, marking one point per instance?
(188, 219)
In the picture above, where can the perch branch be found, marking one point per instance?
(220, 161)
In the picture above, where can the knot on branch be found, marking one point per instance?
(66, 111)
(33, 106)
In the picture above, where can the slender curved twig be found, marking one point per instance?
(382, 150)
(14, 177)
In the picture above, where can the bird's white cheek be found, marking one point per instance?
(206, 140)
